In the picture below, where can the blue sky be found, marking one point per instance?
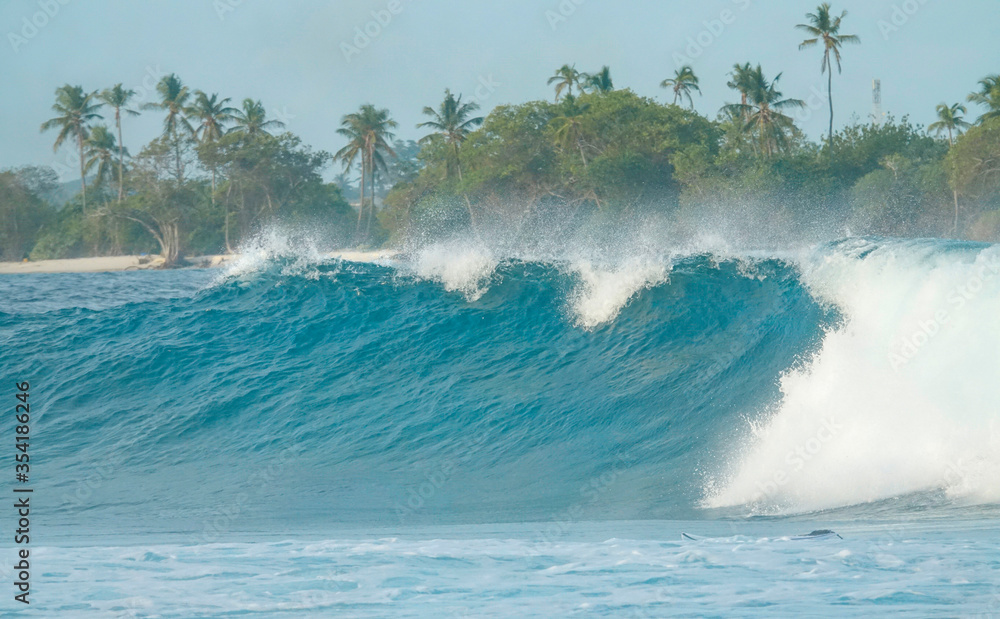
(292, 55)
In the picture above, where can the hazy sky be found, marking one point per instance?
(291, 55)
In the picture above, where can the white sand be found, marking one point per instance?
(132, 263)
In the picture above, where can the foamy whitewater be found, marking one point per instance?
(467, 429)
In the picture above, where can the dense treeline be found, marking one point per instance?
(214, 175)
(218, 172)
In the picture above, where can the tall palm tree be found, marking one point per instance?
(743, 80)
(76, 109)
(251, 120)
(368, 131)
(350, 128)
(824, 27)
(598, 82)
(118, 98)
(682, 83)
(565, 78)
(174, 96)
(950, 119)
(211, 113)
(763, 113)
(568, 126)
(453, 123)
(988, 95)
(101, 150)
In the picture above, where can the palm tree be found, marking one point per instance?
(988, 95)
(174, 96)
(211, 113)
(743, 80)
(350, 128)
(950, 119)
(825, 27)
(76, 109)
(252, 121)
(565, 78)
(453, 123)
(569, 126)
(763, 112)
(118, 98)
(368, 132)
(101, 149)
(598, 82)
(682, 83)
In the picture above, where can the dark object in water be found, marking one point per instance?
(819, 533)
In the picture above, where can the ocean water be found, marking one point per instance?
(459, 431)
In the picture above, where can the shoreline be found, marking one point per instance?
(113, 264)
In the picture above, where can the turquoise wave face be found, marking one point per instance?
(362, 393)
(471, 389)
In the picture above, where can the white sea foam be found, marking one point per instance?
(298, 250)
(458, 266)
(902, 397)
(603, 292)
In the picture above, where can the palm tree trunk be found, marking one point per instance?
(121, 157)
(829, 93)
(361, 206)
(954, 230)
(213, 186)
(371, 211)
(582, 155)
(177, 155)
(83, 172)
(229, 248)
(468, 203)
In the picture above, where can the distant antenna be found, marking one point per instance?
(877, 101)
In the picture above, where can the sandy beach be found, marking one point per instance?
(103, 264)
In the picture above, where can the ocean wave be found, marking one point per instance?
(641, 386)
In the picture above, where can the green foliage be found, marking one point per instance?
(217, 174)
(23, 212)
(974, 162)
(860, 148)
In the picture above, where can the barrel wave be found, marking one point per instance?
(452, 384)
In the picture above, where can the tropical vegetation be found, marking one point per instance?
(218, 173)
